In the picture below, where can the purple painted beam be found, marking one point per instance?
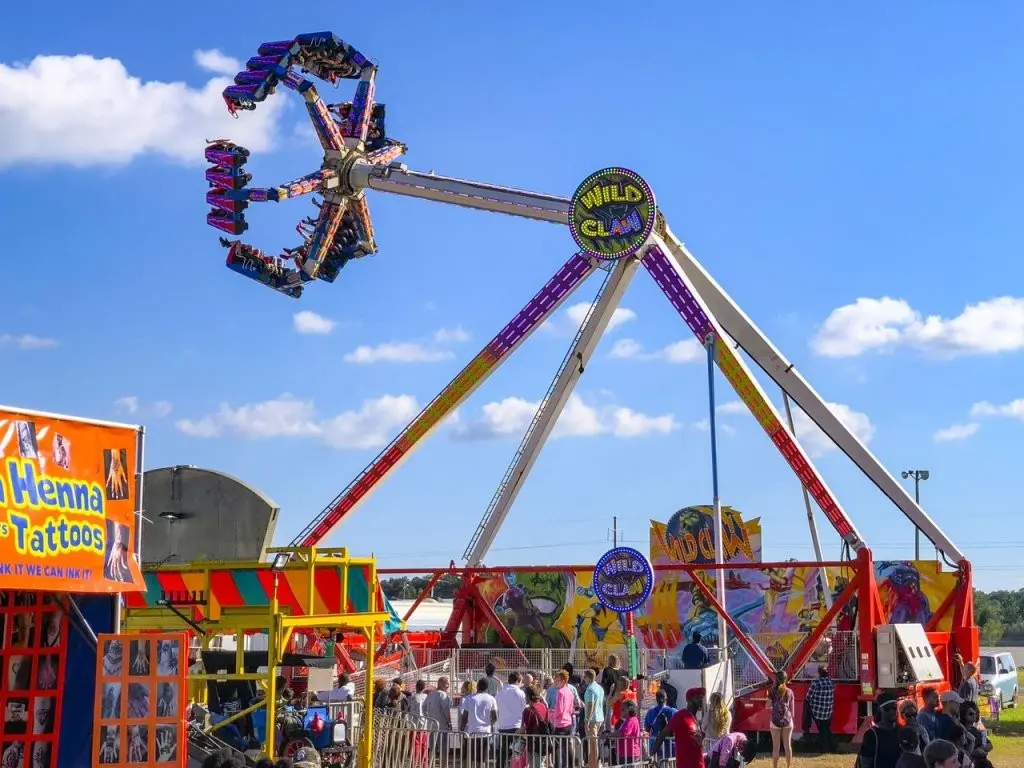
(568, 277)
(675, 289)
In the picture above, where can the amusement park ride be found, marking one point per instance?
(617, 227)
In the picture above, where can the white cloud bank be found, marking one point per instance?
(26, 340)
(311, 324)
(955, 432)
(875, 325)
(810, 436)
(133, 406)
(512, 416)
(83, 111)
(372, 425)
(427, 351)
(569, 320)
(686, 351)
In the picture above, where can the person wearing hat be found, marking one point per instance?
(910, 743)
(880, 747)
(949, 716)
(684, 729)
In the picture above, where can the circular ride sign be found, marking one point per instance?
(612, 214)
(623, 579)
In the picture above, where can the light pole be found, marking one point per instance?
(918, 475)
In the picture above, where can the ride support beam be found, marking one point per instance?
(809, 643)
(756, 654)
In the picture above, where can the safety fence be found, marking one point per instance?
(837, 651)
(399, 741)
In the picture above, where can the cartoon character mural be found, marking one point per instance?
(529, 604)
(777, 607)
(899, 587)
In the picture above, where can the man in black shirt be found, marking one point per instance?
(610, 675)
(695, 655)
(880, 747)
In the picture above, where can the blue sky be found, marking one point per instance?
(851, 178)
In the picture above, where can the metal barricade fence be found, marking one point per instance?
(398, 744)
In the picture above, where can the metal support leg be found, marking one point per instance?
(550, 408)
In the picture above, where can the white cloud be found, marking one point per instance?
(1011, 410)
(371, 426)
(217, 63)
(988, 327)
(397, 352)
(162, 408)
(455, 335)
(816, 442)
(512, 416)
(686, 351)
(25, 340)
(309, 323)
(813, 440)
(129, 404)
(956, 432)
(409, 351)
(704, 425)
(83, 111)
(572, 318)
(733, 406)
(132, 405)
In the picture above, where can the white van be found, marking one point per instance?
(998, 674)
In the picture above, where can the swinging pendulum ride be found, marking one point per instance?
(617, 228)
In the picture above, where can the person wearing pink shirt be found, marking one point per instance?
(629, 734)
(560, 716)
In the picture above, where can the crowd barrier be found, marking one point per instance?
(398, 740)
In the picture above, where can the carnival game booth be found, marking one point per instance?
(69, 510)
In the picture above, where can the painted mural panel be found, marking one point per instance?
(777, 606)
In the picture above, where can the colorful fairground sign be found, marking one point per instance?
(612, 214)
(623, 579)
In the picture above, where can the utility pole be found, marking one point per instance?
(918, 475)
(615, 532)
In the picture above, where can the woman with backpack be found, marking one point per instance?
(780, 705)
(655, 720)
(535, 727)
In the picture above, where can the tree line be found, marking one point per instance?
(1000, 615)
(410, 587)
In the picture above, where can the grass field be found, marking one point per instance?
(1007, 738)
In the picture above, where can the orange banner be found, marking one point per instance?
(67, 504)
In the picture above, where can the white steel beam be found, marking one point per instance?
(590, 332)
(398, 179)
(756, 344)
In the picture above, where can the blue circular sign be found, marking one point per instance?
(623, 579)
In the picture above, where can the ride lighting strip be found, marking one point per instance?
(558, 288)
(734, 369)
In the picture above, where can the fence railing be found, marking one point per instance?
(398, 741)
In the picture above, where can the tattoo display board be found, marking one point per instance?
(140, 690)
(33, 642)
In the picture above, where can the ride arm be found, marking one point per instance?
(753, 340)
(323, 238)
(399, 180)
(688, 302)
(550, 408)
(547, 300)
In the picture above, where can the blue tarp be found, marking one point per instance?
(78, 706)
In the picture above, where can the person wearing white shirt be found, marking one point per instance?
(478, 713)
(511, 701)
